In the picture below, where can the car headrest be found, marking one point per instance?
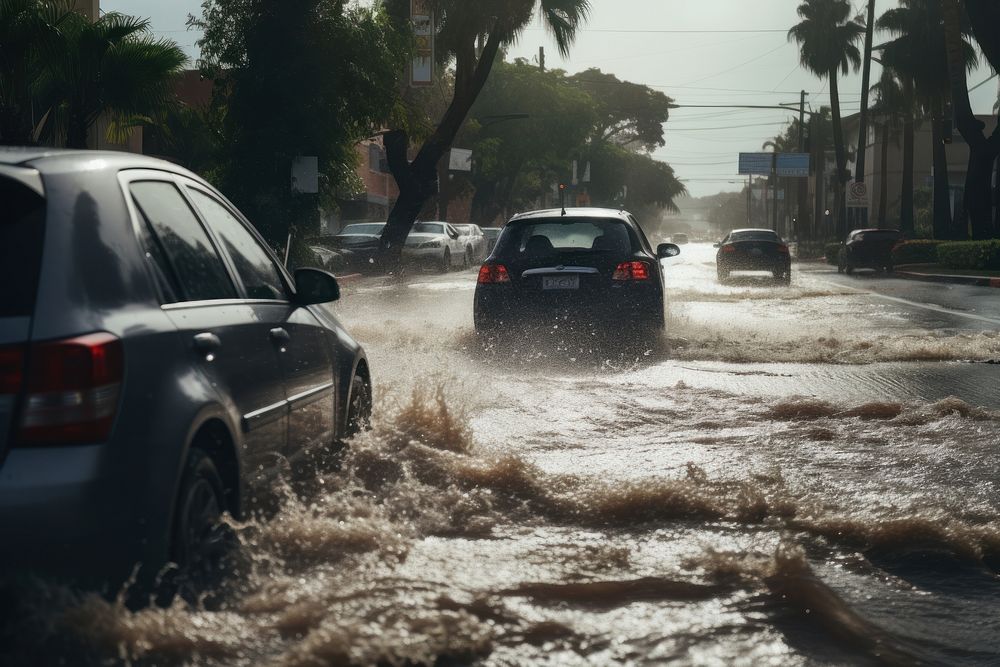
(538, 245)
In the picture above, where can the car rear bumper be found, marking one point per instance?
(755, 263)
(63, 513)
(616, 309)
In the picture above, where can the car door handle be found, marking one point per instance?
(207, 342)
(279, 335)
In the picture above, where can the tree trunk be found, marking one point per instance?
(883, 190)
(943, 227)
(982, 151)
(909, 130)
(417, 180)
(838, 145)
(76, 131)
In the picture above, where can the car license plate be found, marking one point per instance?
(560, 282)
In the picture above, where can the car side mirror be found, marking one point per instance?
(716, 245)
(315, 286)
(665, 250)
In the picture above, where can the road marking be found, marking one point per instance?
(925, 306)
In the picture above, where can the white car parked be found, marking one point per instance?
(475, 243)
(436, 243)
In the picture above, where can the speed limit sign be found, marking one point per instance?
(857, 195)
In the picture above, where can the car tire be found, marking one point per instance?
(723, 276)
(890, 268)
(359, 407)
(848, 268)
(446, 261)
(470, 257)
(201, 543)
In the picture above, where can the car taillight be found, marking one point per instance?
(71, 390)
(11, 369)
(631, 271)
(728, 248)
(783, 249)
(490, 274)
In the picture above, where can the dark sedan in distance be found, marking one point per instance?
(754, 250)
(158, 365)
(583, 267)
(868, 249)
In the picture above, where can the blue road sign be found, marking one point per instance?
(793, 165)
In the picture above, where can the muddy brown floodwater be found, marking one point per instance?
(801, 475)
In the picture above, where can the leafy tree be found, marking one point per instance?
(112, 66)
(917, 53)
(493, 24)
(288, 84)
(628, 114)
(29, 30)
(827, 39)
(889, 109)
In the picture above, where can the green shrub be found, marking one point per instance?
(832, 253)
(921, 251)
(982, 255)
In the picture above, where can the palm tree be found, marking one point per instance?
(890, 108)
(111, 66)
(473, 33)
(827, 39)
(917, 53)
(28, 31)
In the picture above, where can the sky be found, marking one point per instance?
(699, 52)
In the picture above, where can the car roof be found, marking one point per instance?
(63, 160)
(587, 212)
(874, 229)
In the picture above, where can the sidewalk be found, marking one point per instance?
(936, 275)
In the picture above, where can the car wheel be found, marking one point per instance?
(470, 258)
(786, 278)
(723, 275)
(889, 268)
(446, 261)
(201, 542)
(848, 268)
(359, 410)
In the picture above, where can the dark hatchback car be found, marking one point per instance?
(157, 363)
(868, 249)
(583, 267)
(753, 250)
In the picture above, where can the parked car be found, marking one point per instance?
(475, 243)
(679, 239)
(157, 363)
(868, 249)
(491, 234)
(588, 267)
(754, 250)
(358, 244)
(434, 243)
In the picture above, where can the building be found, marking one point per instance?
(923, 161)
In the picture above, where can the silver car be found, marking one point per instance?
(436, 244)
(475, 243)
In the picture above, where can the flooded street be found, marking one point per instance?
(803, 475)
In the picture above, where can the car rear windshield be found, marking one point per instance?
(373, 228)
(567, 235)
(762, 235)
(22, 229)
(427, 228)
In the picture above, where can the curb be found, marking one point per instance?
(977, 281)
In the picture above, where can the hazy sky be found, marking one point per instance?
(697, 51)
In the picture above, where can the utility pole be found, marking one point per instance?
(802, 189)
(541, 58)
(774, 177)
(749, 202)
(866, 76)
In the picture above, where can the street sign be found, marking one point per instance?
(460, 159)
(793, 165)
(760, 193)
(857, 195)
(756, 163)
(305, 174)
(422, 66)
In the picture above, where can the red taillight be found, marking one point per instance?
(11, 369)
(631, 271)
(490, 274)
(728, 248)
(72, 389)
(783, 249)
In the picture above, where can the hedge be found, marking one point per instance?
(982, 255)
(832, 253)
(921, 251)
